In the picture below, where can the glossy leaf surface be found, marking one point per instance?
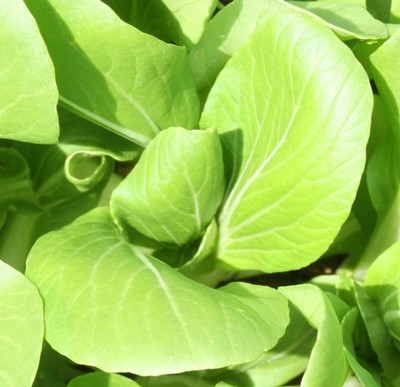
(293, 109)
(175, 189)
(158, 321)
(21, 328)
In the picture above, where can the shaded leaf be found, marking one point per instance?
(348, 327)
(379, 336)
(111, 73)
(15, 182)
(177, 21)
(383, 170)
(348, 20)
(102, 379)
(382, 284)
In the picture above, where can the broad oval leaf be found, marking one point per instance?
(29, 95)
(175, 189)
(21, 328)
(102, 379)
(109, 306)
(293, 109)
(110, 73)
(328, 364)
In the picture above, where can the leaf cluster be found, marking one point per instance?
(158, 157)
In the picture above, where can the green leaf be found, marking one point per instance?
(180, 380)
(395, 11)
(224, 35)
(15, 182)
(29, 94)
(68, 179)
(379, 336)
(328, 364)
(177, 21)
(385, 175)
(286, 361)
(152, 320)
(175, 189)
(232, 27)
(348, 327)
(21, 328)
(382, 284)
(358, 2)
(54, 370)
(349, 21)
(80, 135)
(380, 9)
(294, 130)
(383, 170)
(102, 379)
(114, 75)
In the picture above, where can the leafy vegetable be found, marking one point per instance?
(199, 193)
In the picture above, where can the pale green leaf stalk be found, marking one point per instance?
(173, 192)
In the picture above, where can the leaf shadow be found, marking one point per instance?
(232, 147)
